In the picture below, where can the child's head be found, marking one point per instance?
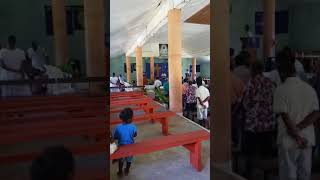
(126, 115)
(54, 163)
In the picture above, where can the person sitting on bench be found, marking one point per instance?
(125, 134)
(54, 163)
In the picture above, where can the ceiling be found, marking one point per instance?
(127, 24)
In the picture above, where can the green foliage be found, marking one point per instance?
(163, 99)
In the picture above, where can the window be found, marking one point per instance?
(281, 22)
(74, 19)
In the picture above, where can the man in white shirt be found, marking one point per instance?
(37, 55)
(296, 104)
(203, 97)
(157, 83)
(11, 60)
(114, 79)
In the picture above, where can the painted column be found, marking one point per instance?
(128, 66)
(194, 67)
(269, 27)
(94, 37)
(220, 107)
(139, 67)
(152, 68)
(174, 61)
(60, 32)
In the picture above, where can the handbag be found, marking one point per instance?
(113, 148)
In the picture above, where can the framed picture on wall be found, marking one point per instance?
(163, 50)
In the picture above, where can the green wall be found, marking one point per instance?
(305, 26)
(205, 70)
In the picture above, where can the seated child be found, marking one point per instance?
(125, 134)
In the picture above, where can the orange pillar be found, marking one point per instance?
(60, 32)
(269, 27)
(175, 67)
(139, 66)
(152, 68)
(128, 66)
(220, 85)
(194, 67)
(94, 36)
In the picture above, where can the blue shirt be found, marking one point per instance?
(125, 133)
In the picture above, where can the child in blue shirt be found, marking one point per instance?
(125, 134)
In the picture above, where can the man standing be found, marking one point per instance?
(203, 97)
(296, 105)
(11, 60)
(38, 56)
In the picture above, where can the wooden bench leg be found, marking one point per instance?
(149, 111)
(195, 155)
(165, 126)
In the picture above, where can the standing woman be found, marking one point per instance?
(191, 100)
(11, 60)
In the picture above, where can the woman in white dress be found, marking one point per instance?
(11, 60)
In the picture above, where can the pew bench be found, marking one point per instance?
(162, 117)
(55, 129)
(132, 102)
(45, 101)
(27, 117)
(126, 94)
(55, 107)
(147, 109)
(192, 141)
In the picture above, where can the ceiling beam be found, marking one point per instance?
(201, 17)
(158, 21)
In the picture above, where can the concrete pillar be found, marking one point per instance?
(128, 65)
(60, 32)
(269, 27)
(152, 68)
(139, 66)
(175, 67)
(95, 38)
(220, 85)
(194, 67)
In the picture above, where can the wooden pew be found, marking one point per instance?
(127, 94)
(54, 107)
(24, 133)
(162, 117)
(50, 100)
(132, 102)
(191, 141)
(30, 117)
(147, 109)
(76, 122)
(79, 150)
(127, 98)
